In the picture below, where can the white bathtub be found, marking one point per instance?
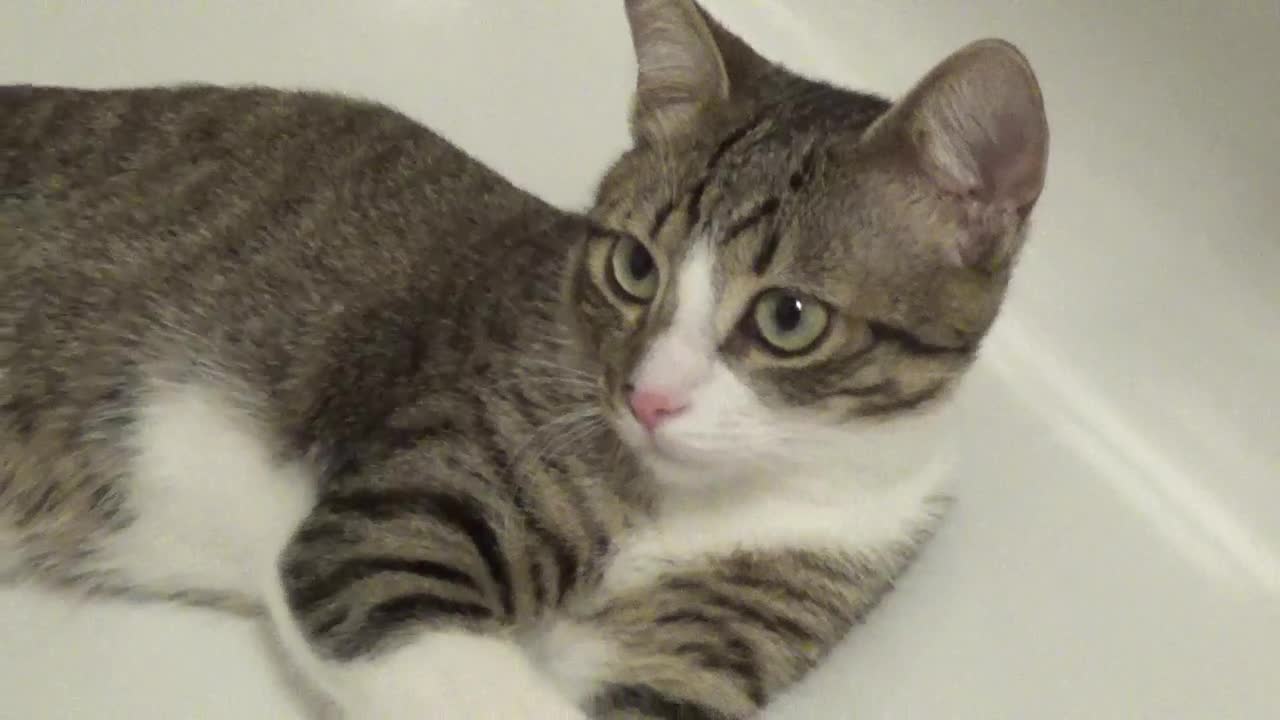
(1116, 549)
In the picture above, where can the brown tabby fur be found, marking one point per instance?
(423, 336)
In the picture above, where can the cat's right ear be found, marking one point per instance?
(975, 126)
(680, 71)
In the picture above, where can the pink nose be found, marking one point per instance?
(652, 408)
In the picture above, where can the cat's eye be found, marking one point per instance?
(789, 323)
(632, 270)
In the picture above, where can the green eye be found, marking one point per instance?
(788, 323)
(633, 271)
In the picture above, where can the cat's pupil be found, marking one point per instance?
(640, 264)
(787, 313)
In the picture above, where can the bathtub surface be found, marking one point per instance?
(1115, 551)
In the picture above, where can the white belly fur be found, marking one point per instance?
(213, 509)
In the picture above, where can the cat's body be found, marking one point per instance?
(285, 350)
(301, 289)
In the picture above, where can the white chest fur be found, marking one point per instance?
(846, 516)
(842, 515)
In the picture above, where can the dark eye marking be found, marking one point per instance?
(913, 344)
(902, 404)
(877, 388)
(802, 176)
(598, 231)
(768, 249)
(762, 211)
(732, 139)
(700, 189)
(660, 219)
(695, 202)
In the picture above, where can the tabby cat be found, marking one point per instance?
(478, 457)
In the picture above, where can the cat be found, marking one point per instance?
(478, 457)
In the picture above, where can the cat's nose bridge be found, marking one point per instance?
(681, 348)
(674, 365)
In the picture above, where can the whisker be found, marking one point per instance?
(567, 421)
(543, 381)
(570, 438)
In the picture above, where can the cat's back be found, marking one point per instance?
(269, 236)
(227, 210)
(150, 170)
(181, 266)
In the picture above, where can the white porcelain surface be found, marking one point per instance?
(1115, 552)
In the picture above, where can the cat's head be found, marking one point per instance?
(779, 263)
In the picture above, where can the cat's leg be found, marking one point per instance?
(405, 603)
(716, 642)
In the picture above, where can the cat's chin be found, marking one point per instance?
(678, 468)
(669, 462)
(666, 458)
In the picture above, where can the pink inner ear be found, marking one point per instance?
(980, 127)
(679, 68)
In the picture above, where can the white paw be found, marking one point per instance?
(451, 676)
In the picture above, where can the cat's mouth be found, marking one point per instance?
(659, 446)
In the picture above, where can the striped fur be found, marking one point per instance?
(251, 334)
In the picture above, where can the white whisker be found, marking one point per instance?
(552, 431)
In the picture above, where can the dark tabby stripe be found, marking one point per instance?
(774, 622)
(762, 211)
(323, 531)
(538, 580)
(695, 202)
(717, 600)
(792, 594)
(45, 501)
(736, 657)
(660, 219)
(768, 249)
(690, 615)
(331, 623)
(486, 434)
(597, 230)
(462, 513)
(647, 701)
(587, 518)
(388, 616)
(801, 177)
(902, 404)
(562, 554)
(732, 139)
(22, 414)
(879, 388)
(913, 344)
(321, 587)
(699, 190)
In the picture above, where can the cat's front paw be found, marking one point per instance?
(454, 676)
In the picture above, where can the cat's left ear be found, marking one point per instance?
(686, 63)
(975, 126)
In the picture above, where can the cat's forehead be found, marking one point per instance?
(850, 237)
(790, 226)
(805, 211)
